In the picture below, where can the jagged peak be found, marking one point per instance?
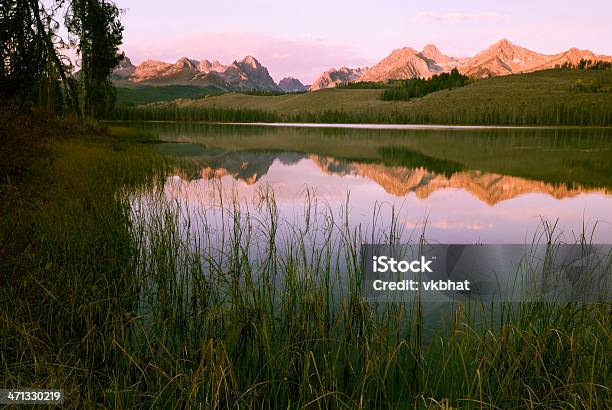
(250, 61)
(126, 60)
(404, 50)
(431, 48)
(504, 42)
(186, 62)
(575, 50)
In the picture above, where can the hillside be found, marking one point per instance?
(135, 95)
(540, 98)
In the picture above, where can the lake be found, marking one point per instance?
(450, 184)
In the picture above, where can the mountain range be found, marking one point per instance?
(501, 58)
(241, 75)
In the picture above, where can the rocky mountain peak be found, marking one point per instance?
(401, 64)
(291, 85)
(506, 48)
(334, 76)
(124, 69)
(186, 64)
(504, 42)
(204, 65)
(431, 50)
(503, 58)
(251, 62)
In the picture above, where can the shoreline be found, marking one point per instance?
(374, 126)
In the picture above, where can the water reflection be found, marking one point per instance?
(489, 186)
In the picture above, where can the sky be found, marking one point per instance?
(304, 38)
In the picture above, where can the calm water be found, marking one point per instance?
(469, 185)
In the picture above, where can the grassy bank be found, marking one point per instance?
(108, 292)
(551, 97)
(66, 256)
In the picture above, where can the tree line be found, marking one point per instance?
(418, 87)
(587, 64)
(544, 113)
(403, 90)
(34, 67)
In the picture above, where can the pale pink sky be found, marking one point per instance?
(301, 39)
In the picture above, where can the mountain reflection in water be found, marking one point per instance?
(250, 167)
(462, 207)
(463, 186)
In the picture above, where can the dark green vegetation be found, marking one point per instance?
(418, 87)
(66, 255)
(129, 96)
(404, 90)
(540, 98)
(594, 86)
(589, 65)
(34, 72)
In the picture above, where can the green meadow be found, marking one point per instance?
(136, 95)
(549, 97)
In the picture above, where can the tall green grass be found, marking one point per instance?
(66, 263)
(126, 296)
(246, 311)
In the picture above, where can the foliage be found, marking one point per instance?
(551, 113)
(144, 95)
(592, 87)
(30, 63)
(172, 112)
(587, 64)
(33, 70)
(403, 90)
(97, 34)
